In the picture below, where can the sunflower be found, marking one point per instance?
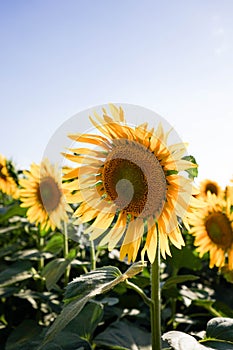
(229, 192)
(7, 182)
(42, 194)
(127, 183)
(210, 186)
(212, 227)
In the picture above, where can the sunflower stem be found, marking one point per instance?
(41, 246)
(66, 253)
(93, 255)
(155, 308)
(139, 291)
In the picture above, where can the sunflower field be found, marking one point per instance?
(117, 250)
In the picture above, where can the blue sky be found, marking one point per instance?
(61, 57)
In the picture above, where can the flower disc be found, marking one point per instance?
(134, 179)
(49, 193)
(219, 229)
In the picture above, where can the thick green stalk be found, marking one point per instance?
(66, 252)
(41, 246)
(155, 309)
(93, 255)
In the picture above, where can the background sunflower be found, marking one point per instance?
(42, 194)
(8, 184)
(210, 186)
(212, 227)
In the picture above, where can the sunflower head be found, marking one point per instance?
(42, 194)
(229, 192)
(212, 228)
(210, 186)
(127, 183)
(8, 179)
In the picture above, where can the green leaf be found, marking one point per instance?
(124, 335)
(220, 328)
(10, 228)
(216, 308)
(223, 309)
(66, 341)
(53, 271)
(110, 301)
(17, 272)
(88, 283)
(217, 345)
(192, 172)
(30, 254)
(23, 335)
(100, 280)
(184, 258)
(9, 250)
(6, 292)
(72, 254)
(55, 244)
(181, 341)
(12, 171)
(86, 322)
(171, 281)
(86, 287)
(69, 312)
(10, 211)
(204, 303)
(193, 294)
(79, 292)
(28, 336)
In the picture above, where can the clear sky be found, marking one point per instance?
(61, 57)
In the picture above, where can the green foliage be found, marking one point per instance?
(174, 280)
(83, 289)
(184, 258)
(10, 211)
(15, 273)
(192, 172)
(106, 308)
(220, 328)
(53, 271)
(54, 244)
(124, 335)
(219, 335)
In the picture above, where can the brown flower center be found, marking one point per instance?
(219, 229)
(212, 188)
(49, 194)
(134, 179)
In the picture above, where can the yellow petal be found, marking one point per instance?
(91, 138)
(117, 231)
(151, 240)
(134, 231)
(117, 113)
(101, 224)
(130, 249)
(88, 151)
(83, 159)
(164, 245)
(176, 238)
